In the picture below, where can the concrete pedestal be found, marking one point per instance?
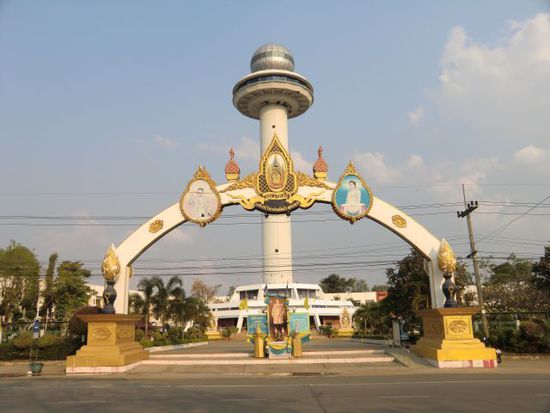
(449, 342)
(214, 335)
(111, 344)
(344, 332)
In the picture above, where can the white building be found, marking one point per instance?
(249, 300)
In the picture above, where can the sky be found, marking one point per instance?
(108, 107)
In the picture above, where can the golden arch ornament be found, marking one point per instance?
(200, 203)
(352, 197)
(301, 191)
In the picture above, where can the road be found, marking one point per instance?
(465, 392)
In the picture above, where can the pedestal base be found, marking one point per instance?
(344, 332)
(278, 349)
(111, 343)
(214, 335)
(449, 342)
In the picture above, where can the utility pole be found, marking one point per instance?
(471, 207)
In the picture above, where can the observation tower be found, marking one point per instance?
(273, 92)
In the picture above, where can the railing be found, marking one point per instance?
(400, 353)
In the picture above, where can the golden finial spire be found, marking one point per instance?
(446, 257)
(232, 170)
(320, 168)
(111, 265)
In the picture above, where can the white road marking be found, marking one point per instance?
(404, 397)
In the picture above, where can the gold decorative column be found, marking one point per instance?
(448, 339)
(259, 344)
(111, 344)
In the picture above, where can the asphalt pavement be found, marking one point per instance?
(461, 392)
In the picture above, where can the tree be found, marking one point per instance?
(70, 289)
(462, 278)
(379, 287)
(335, 284)
(48, 293)
(541, 272)
(409, 289)
(512, 287)
(371, 318)
(142, 304)
(161, 299)
(512, 270)
(189, 309)
(230, 291)
(359, 285)
(203, 291)
(19, 277)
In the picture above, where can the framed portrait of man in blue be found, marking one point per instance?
(352, 197)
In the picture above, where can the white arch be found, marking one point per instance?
(381, 212)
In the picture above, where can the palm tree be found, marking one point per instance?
(143, 303)
(179, 308)
(369, 318)
(188, 309)
(163, 296)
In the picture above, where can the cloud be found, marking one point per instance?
(502, 90)
(300, 163)
(532, 155)
(442, 176)
(375, 166)
(416, 115)
(164, 142)
(247, 149)
(180, 235)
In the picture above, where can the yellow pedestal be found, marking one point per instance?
(344, 332)
(214, 335)
(448, 339)
(111, 344)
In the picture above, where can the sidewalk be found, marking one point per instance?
(19, 368)
(57, 368)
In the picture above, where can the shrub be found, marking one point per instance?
(227, 332)
(145, 342)
(327, 330)
(195, 332)
(140, 334)
(174, 335)
(23, 341)
(47, 340)
(57, 351)
(532, 337)
(160, 339)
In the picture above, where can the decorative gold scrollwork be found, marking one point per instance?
(156, 226)
(399, 221)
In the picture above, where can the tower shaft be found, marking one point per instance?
(276, 229)
(272, 93)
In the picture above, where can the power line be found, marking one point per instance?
(507, 224)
